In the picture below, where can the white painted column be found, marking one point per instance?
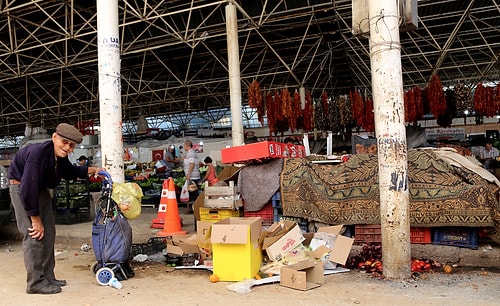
(108, 49)
(233, 59)
(387, 87)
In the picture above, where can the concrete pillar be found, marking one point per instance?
(387, 87)
(233, 59)
(108, 49)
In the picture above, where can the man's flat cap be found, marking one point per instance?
(69, 132)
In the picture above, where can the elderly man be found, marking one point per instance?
(33, 174)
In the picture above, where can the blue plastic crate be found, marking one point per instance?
(277, 212)
(276, 199)
(464, 237)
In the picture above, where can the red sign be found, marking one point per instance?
(260, 150)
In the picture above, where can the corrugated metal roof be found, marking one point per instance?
(175, 51)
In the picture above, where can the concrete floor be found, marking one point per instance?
(487, 255)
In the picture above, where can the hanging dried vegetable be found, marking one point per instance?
(358, 107)
(321, 113)
(286, 103)
(425, 100)
(324, 102)
(463, 99)
(491, 110)
(345, 112)
(271, 117)
(308, 113)
(320, 116)
(419, 104)
(369, 120)
(437, 100)
(281, 121)
(479, 98)
(445, 120)
(296, 112)
(255, 100)
(497, 98)
(414, 110)
(409, 106)
(334, 116)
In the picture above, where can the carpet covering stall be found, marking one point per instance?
(445, 190)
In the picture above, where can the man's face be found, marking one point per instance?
(488, 146)
(62, 146)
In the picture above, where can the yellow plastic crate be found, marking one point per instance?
(214, 215)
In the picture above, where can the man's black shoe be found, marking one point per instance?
(56, 282)
(45, 290)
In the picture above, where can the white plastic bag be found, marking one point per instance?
(242, 287)
(184, 193)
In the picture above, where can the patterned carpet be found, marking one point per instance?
(348, 193)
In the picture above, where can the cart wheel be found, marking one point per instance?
(103, 276)
(94, 267)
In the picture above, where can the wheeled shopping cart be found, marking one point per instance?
(111, 238)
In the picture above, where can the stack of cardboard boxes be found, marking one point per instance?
(238, 248)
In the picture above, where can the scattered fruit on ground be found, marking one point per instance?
(214, 278)
(447, 269)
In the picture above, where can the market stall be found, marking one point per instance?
(446, 189)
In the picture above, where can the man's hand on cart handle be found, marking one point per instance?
(96, 171)
(103, 173)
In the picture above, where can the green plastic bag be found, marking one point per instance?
(128, 197)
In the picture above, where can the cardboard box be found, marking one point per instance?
(236, 252)
(260, 150)
(339, 251)
(203, 240)
(303, 275)
(228, 173)
(182, 250)
(281, 238)
(182, 244)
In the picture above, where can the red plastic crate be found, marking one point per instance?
(420, 235)
(373, 233)
(364, 233)
(266, 213)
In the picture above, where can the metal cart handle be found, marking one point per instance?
(107, 180)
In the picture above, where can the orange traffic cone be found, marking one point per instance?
(159, 221)
(172, 218)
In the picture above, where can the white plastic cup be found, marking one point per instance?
(113, 282)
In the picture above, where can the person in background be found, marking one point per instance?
(488, 156)
(211, 174)
(126, 155)
(171, 159)
(191, 166)
(83, 160)
(35, 171)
